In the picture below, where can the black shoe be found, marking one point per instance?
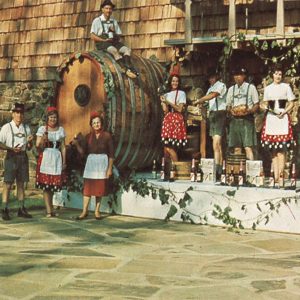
(5, 214)
(22, 212)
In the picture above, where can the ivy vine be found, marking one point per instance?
(269, 51)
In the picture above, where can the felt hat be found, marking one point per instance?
(239, 71)
(18, 107)
(107, 2)
(51, 108)
(212, 72)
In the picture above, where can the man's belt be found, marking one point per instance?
(11, 153)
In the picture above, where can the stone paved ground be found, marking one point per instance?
(130, 258)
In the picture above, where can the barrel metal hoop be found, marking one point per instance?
(123, 104)
(141, 128)
(132, 125)
(156, 123)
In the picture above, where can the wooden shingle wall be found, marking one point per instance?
(36, 35)
(210, 17)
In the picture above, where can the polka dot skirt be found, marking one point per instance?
(277, 142)
(173, 131)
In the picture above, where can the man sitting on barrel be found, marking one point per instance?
(106, 33)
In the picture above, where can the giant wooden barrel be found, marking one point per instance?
(93, 81)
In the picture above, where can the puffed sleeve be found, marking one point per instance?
(41, 131)
(62, 133)
(181, 97)
(290, 94)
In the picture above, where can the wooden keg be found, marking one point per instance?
(131, 108)
(234, 160)
(183, 170)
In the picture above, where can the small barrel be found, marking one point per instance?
(234, 160)
(183, 170)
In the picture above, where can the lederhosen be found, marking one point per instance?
(217, 120)
(16, 163)
(241, 128)
(105, 44)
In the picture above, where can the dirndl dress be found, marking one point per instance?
(49, 174)
(277, 134)
(173, 132)
(94, 175)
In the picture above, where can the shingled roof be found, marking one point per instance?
(36, 35)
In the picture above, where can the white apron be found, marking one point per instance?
(51, 162)
(276, 126)
(96, 166)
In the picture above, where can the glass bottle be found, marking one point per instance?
(293, 177)
(231, 177)
(193, 171)
(241, 175)
(154, 171)
(172, 172)
(281, 180)
(199, 172)
(272, 178)
(162, 170)
(223, 174)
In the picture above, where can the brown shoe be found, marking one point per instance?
(5, 214)
(130, 74)
(22, 212)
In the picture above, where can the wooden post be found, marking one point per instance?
(232, 18)
(188, 24)
(280, 18)
(203, 133)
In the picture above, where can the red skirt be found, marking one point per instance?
(47, 182)
(95, 187)
(173, 130)
(280, 142)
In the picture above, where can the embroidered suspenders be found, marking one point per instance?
(246, 94)
(19, 134)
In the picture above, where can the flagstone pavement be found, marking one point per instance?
(122, 257)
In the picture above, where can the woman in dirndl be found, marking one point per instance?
(98, 147)
(277, 134)
(173, 133)
(52, 158)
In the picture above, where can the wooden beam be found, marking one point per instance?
(188, 23)
(232, 18)
(280, 18)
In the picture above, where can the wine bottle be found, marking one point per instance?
(272, 178)
(241, 175)
(172, 172)
(293, 177)
(231, 177)
(162, 171)
(199, 173)
(154, 171)
(261, 178)
(193, 171)
(223, 174)
(281, 180)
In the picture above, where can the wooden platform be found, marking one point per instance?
(247, 203)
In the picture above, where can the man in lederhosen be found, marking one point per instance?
(242, 102)
(16, 138)
(216, 97)
(106, 33)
